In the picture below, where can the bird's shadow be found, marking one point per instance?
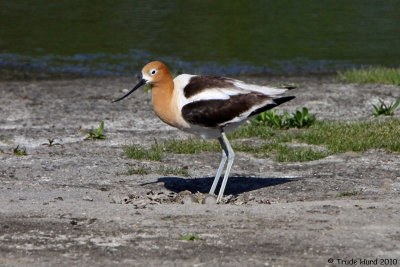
(235, 185)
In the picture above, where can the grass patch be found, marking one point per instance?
(334, 137)
(139, 152)
(190, 146)
(339, 137)
(382, 75)
(287, 154)
(253, 129)
(349, 193)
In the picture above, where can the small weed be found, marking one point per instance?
(299, 119)
(274, 120)
(383, 109)
(302, 119)
(382, 75)
(190, 237)
(20, 151)
(350, 193)
(51, 143)
(96, 134)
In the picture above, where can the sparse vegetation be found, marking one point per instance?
(349, 193)
(144, 170)
(96, 134)
(287, 154)
(172, 171)
(383, 109)
(382, 75)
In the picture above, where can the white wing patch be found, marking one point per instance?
(215, 94)
(266, 90)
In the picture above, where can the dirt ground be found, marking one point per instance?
(70, 204)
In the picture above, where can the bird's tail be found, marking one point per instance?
(277, 101)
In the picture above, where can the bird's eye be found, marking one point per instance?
(153, 71)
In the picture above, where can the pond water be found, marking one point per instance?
(201, 36)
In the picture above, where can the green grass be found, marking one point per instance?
(253, 129)
(332, 137)
(287, 154)
(382, 75)
(190, 146)
(139, 152)
(339, 137)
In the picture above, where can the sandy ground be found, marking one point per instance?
(69, 204)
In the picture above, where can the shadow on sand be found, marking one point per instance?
(235, 185)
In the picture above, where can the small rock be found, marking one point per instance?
(139, 203)
(88, 198)
(210, 200)
(116, 200)
(239, 202)
(188, 200)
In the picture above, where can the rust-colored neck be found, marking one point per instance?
(162, 95)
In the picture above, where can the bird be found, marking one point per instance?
(208, 106)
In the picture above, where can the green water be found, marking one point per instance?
(225, 37)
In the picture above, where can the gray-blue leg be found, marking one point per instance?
(220, 168)
(231, 156)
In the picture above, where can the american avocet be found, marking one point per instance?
(208, 106)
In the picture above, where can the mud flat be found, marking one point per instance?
(71, 204)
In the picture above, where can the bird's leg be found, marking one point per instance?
(220, 168)
(231, 156)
